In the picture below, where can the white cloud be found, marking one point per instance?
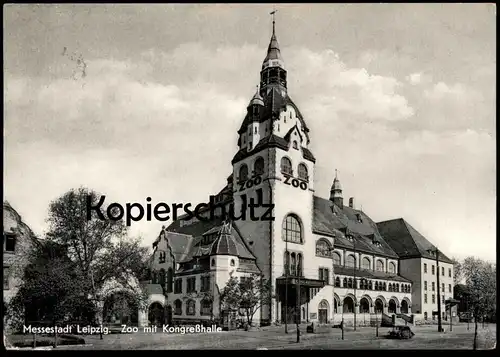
(165, 127)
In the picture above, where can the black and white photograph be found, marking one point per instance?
(249, 176)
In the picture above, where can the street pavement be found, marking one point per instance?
(426, 337)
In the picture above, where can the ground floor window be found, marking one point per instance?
(206, 308)
(190, 307)
(178, 307)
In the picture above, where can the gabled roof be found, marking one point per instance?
(330, 220)
(407, 241)
(289, 134)
(187, 241)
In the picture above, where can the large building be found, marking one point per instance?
(347, 265)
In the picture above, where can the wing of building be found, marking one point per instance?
(18, 240)
(325, 260)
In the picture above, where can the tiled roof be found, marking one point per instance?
(407, 241)
(368, 274)
(187, 241)
(225, 244)
(331, 220)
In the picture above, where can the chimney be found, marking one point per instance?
(351, 202)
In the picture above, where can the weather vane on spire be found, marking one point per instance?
(273, 14)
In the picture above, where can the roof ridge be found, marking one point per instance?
(180, 234)
(406, 224)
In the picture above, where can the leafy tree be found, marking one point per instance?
(100, 249)
(50, 290)
(480, 277)
(458, 273)
(229, 296)
(255, 291)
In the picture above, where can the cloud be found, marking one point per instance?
(418, 78)
(164, 125)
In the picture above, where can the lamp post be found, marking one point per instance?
(354, 280)
(436, 251)
(287, 264)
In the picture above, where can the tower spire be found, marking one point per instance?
(336, 191)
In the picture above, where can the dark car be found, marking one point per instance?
(401, 332)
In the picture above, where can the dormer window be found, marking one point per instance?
(358, 218)
(255, 130)
(295, 145)
(250, 146)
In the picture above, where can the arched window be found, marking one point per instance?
(351, 261)
(323, 248)
(392, 267)
(390, 287)
(336, 258)
(213, 262)
(191, 308)
(349, 283)
(337, 282)
(178, 307)
(376, 285)
(295, 145)
(345, 283)
(366, 263)
(232, 262)
(286, 166)
(379, 265)
(292, 231)
(170, 280)
(258, 166)
(243, 173)
(303, 172)
(206, 308)
(370, 285)
(154, 277)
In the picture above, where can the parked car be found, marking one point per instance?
(401, 332)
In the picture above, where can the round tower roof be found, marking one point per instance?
(224, 244)
(257, 99)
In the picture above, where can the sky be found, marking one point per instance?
(400, 98)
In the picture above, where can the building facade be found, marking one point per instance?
(326, 261)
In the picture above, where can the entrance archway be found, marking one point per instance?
(364, 306)
(120, 308)
(323, 312)
(348, 305)
(392, 307)
(156, 314)
(379, 306)
(404, 307)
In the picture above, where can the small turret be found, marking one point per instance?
(336, 192)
